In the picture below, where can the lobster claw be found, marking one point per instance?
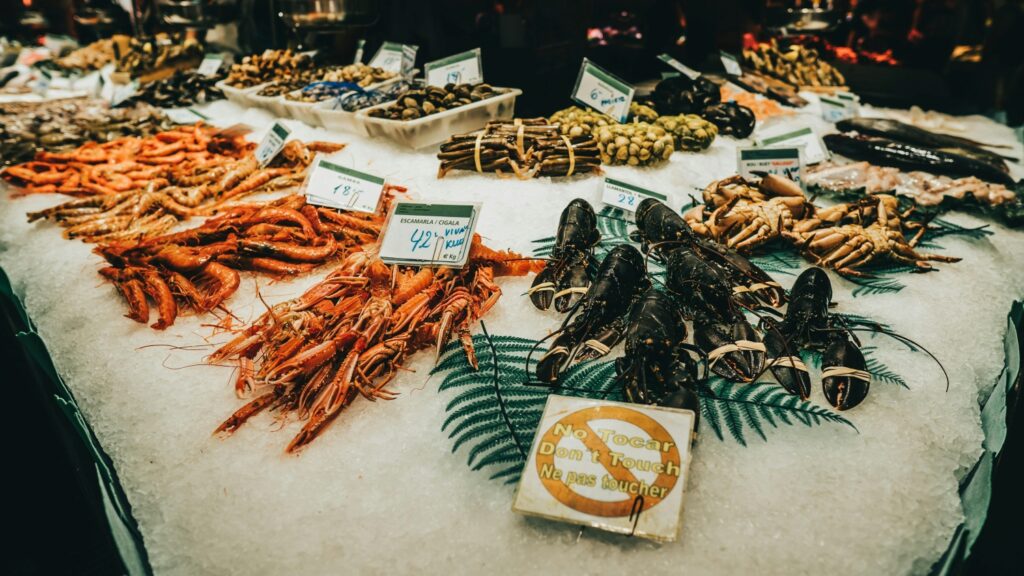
(572, 283)
(734, 349)
(844, 377)
(550, 365)
(685, 399)
(603, 341)
(542, 291)
(784, 362)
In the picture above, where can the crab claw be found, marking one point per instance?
(844, 378)
(542, 291)
(784, 362)
(734, 350)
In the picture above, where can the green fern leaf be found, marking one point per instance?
(510, 471)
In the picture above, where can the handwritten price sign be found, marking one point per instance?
(333, 185)
(602, 91)
(625, 195)
(429, 234)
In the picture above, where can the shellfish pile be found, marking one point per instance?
(524, 147)
(419, 102)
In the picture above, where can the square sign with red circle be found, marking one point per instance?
(614, 466)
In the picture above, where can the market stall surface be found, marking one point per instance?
(379, 491)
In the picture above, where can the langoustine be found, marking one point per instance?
(198, 269)
(348, 335)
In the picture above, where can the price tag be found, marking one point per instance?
(359, 51)
(602, 91)
(812, 148)
(211, 64)
(395, 57)
(123, 92)
(43, 83)
(690, 72)
(462, 68)
(625, 195)
(429, 234)
(609, 465)
(732, 65)
(755, 162)
(840, 107)
(184, 115)
(271, 143)
(335, 186)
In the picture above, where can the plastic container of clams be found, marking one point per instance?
(238, 96)
(435, 128)
(302, 111)
(273, 104)
(334, 118)
(309, 112)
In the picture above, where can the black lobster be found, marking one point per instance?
(662, 230)
(564, 280)
(656, 367)
(808, 324)
(721, 331)
(599, 319)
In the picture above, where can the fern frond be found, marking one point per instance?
(747, 406)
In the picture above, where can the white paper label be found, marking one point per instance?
(613, 466)
(360, 46)
(462, 68)
(806, 139)
(602, 91)
(211, 64)
(842, 107)
(756, 162)
(395, 57)
(123, 92)
(625, 195)
(429, 234)
(272, 143)
(690, 72)
(333, 185)
(732, 65)
(42, 84)
(184, 115)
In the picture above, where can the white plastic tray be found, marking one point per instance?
(428, 130)
(302, 111)
(338, 119)
(273, 104)
(238, 96)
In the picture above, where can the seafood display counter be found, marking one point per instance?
(886, 488)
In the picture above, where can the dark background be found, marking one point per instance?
(55, 523)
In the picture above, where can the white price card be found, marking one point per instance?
(690, 72)
(360, 46)
(732, 65)
(422, 234)
(461, 68)
(123, 92)
(42, 84)
(211, 64)
(602, 91)
(272, 143)
(609, 465)
(625, 195)
(335, 186)
(806, 139)
(184, 115)
(395, 57)
(755, 162)
(836, 109)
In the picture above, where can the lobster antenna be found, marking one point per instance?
(913, 345)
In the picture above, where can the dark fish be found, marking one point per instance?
(886, 152)
(901, 132)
